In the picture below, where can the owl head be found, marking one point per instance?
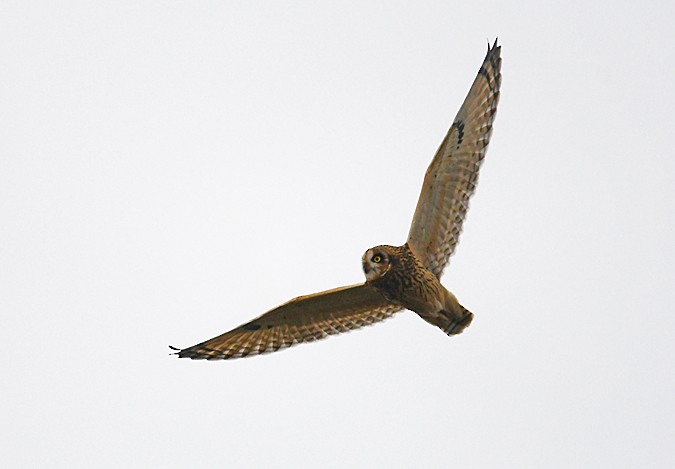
(377, 261)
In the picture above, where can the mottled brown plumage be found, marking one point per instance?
(402, 279)
(396, 277)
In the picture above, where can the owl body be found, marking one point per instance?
(397, 277)
(402, 279)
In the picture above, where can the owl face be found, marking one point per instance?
(377, 261)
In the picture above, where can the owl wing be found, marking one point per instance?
(303, 319)
(451, 178)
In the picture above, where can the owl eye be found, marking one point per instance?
(377, 259)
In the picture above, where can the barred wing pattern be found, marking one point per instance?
(303, 319)
(451, 178)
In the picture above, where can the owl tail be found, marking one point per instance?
(454, 322)
(454, 318)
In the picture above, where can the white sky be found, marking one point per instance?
(169, 170)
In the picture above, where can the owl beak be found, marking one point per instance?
(366, 267)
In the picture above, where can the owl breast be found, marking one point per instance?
(408, 283)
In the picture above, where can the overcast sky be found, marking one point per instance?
(169, 170)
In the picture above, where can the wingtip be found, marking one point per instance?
(494, 51)
(494, 46)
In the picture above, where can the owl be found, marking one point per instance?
(397, 277)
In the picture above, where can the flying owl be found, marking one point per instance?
(397, 278)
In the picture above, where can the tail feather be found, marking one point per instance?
(454, 322)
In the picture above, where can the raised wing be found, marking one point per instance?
(303, 319)
(451, 178)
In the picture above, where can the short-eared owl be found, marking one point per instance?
(404, 277)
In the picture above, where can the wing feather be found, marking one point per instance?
(452, 175)
(303, 319)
